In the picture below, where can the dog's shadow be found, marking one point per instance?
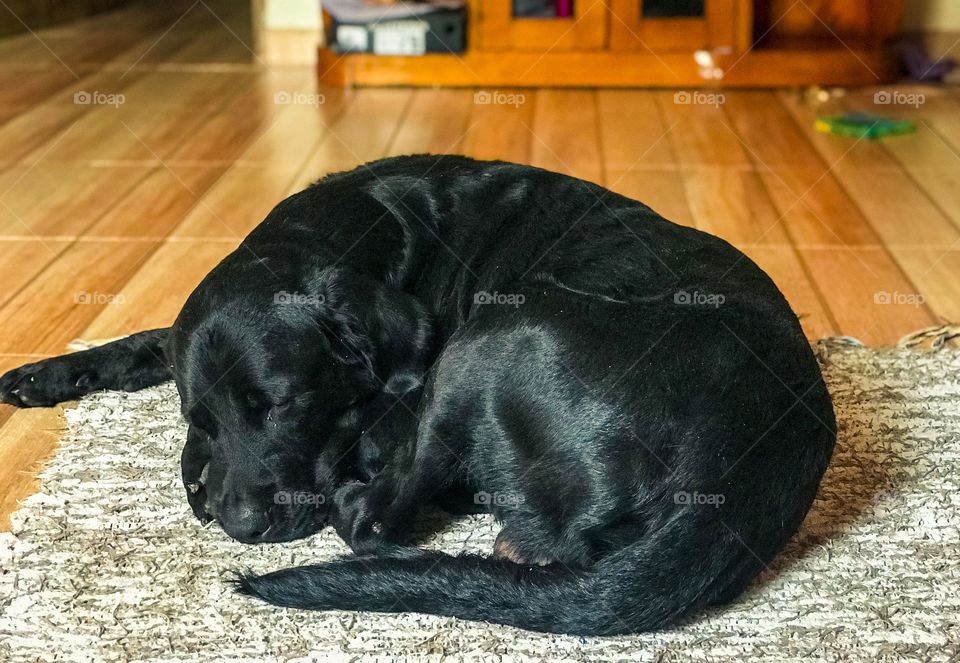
(435, 519)
(867, 472)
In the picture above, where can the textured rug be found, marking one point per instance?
(106, 563)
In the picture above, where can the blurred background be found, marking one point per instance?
(142, 141)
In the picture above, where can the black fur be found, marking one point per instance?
(633, 399)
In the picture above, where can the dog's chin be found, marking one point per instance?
(278, 532)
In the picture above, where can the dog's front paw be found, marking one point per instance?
(356, 516)
(194, 466)
(197, 495)
(45, 383)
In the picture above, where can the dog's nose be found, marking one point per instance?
(243, 520)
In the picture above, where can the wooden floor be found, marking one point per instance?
(110, 214)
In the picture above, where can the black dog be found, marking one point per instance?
(633, 399)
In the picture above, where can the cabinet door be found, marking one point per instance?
(679, 25)
(543, 25)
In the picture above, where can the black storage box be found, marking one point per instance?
(404, 28)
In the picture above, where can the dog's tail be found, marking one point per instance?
(683, 567)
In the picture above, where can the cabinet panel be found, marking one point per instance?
(543, 25)
(678, 25)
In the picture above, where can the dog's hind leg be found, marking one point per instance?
(127, 364)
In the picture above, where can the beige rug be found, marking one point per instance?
(108, 564)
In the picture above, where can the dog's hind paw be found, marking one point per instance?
(503, 548)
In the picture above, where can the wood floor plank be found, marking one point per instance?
(726, 196)
(267, 170)
(565, 134)
(154, 295)
(363, 132)
(501, 130)
(238, 201)
(65, 297)
(27, 439)
(934, 111)
(299, 128)
(217, 45)
(885, 193)
(661, 190)
(723, 171)
(138, 132)
(936, 274)
(633, 133)
(639, 161)
(25, 134)
(931, 158)
(769, 133)
(833, 149)
(177, 89)
(940, 107)
(901, 214)
(226, 133)
(157, 203)
(814, 207)
(59, 199)
(23, 260)
(816, 210)
(22, 90)
(857, 289)
(733, 204)
(436, 122)
(701, 135)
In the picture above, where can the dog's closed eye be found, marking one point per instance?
(261, 406)
(279, 408)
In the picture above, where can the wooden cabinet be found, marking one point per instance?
(666, 43)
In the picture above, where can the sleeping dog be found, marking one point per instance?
(633, 400)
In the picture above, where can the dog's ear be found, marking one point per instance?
(381, 329)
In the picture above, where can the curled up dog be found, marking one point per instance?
(633, 400)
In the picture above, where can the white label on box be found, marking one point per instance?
(352, 37)
(400, 38)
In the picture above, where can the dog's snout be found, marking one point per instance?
(244, 520)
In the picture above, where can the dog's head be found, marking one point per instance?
(273, 383)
